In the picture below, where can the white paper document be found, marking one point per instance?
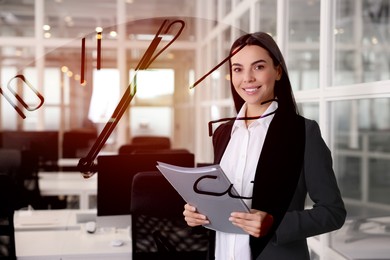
(209, 190)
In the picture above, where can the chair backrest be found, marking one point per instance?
(44, 144)
(135, 148)
(7, 231)
(158, 227)
(76, 144)
(22, 168)
(152, 140)
(10, 161)
(115, 176)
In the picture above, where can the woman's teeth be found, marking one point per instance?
(251, 90)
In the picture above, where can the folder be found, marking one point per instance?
(209, 190)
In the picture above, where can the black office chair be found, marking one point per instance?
(152, 140)
(7, 205)
(22, 168)
(76, 143)
(158, 227)
(135, 148)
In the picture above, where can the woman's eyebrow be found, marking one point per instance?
(259, 61)
(253, 63)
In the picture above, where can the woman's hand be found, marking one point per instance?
(256, 223)
(194, 218)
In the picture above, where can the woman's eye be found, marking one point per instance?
(236, 69)
(259, 67)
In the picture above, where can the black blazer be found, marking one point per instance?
(308, 169)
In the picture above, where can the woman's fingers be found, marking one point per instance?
(194, 218)
(257, 223)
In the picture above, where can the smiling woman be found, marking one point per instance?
(253, 76)
(276, 159)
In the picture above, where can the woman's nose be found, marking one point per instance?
(249, 77)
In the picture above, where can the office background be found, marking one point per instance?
(337, 53)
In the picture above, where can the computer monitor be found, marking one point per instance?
(115, 174)
(44, 144)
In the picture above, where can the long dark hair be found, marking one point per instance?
(283, 91)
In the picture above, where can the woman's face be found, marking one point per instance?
(254, 74)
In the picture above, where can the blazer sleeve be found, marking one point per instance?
(328, 212)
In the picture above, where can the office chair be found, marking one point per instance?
(152, 140)
(7, 230)
(76, 143)
(22, 168)
(134, 148)
(158, 227)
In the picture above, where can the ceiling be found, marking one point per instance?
(72, 18)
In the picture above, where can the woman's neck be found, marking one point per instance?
(253, 110)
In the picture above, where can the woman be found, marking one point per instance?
(273, 155)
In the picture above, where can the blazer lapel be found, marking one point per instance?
(278, 171)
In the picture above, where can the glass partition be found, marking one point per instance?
(362, 39)
(361, 141)
(17, 18)
(303, 53)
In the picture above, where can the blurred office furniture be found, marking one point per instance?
(115, 177)
(72, 245)
(42, 150)
(22, 167)
(43, 144)
(134, 148)
(145, 143)
(158, 228)
(64, 184)
(162, 151)
(61, 234)
(56, 219)
(154, 140)
(365, 222)
(76, 143)
(7, 233)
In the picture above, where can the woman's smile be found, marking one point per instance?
(251, 90)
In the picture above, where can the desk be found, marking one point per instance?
(72, 244)
(60, 234)
(371, 241)
(68, 183)
(68, 162)
(73, 162)
(59, 219)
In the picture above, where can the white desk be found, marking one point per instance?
(60, 234)
(59, 219)
(73, 162)
(72, 244)
(68, 162)
(68, 183)
(370, 240)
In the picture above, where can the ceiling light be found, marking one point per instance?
(18, 53)
(64, 69)
(68, 19)
(113, 34)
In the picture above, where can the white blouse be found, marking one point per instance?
(239, 162)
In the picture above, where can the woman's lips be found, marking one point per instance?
(251, 90)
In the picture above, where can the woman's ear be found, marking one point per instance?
(279, 72)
